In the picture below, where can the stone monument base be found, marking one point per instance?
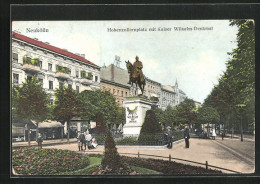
(135, 108)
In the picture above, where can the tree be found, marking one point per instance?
(93, 102)
(150, 129)
(207, 114)
(111, 156)
(237, 85)
(167, 117)
(101, 127)
(120, 116)
(32, 103)
(66, 105)
(185, 112)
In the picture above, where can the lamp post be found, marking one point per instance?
(240, 106)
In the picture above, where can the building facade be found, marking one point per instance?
(115, 80)
(153, 89)
(51, 65)
(179, 94)
(168, 97)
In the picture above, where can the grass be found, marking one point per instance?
(94, 160)
(142, 170)
(95, 163)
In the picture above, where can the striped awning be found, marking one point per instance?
(48, 124)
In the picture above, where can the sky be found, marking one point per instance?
(195, 58)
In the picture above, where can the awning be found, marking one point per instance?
(49, 124)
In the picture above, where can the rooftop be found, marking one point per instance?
(50, 47)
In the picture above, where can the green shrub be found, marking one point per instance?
(111, 156)
(101, 127)
(34, 161)
(151, 132)
(62, 69)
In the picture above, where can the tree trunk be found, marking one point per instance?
(208, 130)
(37, 130)
(29, 135)
(68, 129)
(241, 129)
(62, 130)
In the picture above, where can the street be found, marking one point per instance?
(229, 153)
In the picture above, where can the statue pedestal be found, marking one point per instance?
(135, 109)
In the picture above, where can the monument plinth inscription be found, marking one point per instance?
(136, 108)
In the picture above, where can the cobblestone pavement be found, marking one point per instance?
(230, 153)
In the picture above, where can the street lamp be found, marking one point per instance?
(241, 106)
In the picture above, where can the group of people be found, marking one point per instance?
(85, 139)
(169, 137)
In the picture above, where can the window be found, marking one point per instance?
(50, 84)
(60, 84)
(122, 93)
(117, 92)
(15, 57)
(41, 81)
(77, 73)
(16, 78)
(126, 94)
(40, 64)
(96, 78)
(77, 89)
(70, 86)
(49, 66)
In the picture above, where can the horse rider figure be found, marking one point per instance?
(136, 74)
(137, 70)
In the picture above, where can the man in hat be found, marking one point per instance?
(137, 70)
(39, 140)
(186, 136)
(169, 135)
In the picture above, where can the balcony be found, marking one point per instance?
(31, 67)
(62, 75)
(86, 81)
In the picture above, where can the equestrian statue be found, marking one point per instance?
(136, 75)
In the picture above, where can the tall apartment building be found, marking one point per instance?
(51, 65)
(168, 96)
(171, 95)
(114, 80)
(152, 89)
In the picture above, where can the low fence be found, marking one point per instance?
(170, 158)
(144, 139)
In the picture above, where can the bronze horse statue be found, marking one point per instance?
(136, 80)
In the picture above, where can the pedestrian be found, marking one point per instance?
(82, 140)
(222, 135)
(39, 140)
(169, 135)
(79, 142)
(186, 137)
(88, 138)
(214, 134)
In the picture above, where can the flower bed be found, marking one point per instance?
(162, 166)
(34, 161)
(166, 167)
(124, 170)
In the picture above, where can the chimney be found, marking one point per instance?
(112, 72)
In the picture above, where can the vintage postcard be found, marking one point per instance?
(133, 97)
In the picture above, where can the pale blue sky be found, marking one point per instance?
(195, 58)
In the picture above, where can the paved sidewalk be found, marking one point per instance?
(44, 143)
(201, 150)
